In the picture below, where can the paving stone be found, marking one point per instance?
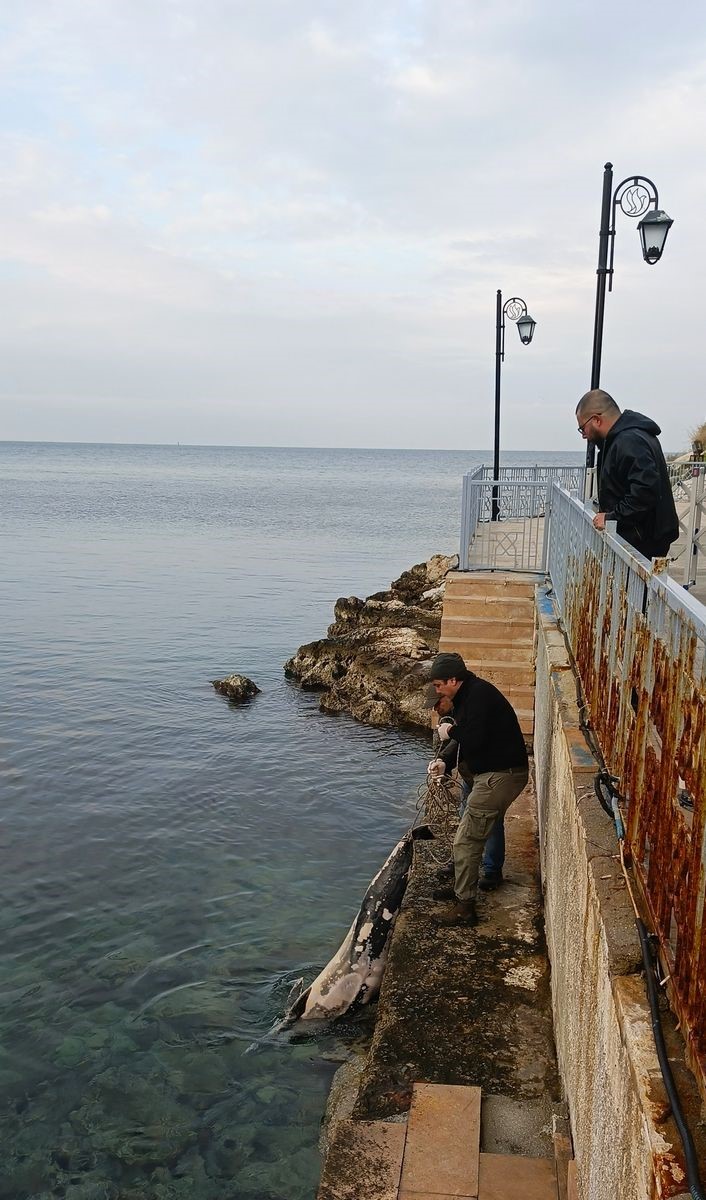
(511, 1177)
(443, 1139)
(364, 1161)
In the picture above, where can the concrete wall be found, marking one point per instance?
(625, 1141)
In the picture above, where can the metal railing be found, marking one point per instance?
(517, 540)
(687, 481)
(639, 642)
(570, 478)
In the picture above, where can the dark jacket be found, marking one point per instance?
(634, 487)
(486, 728)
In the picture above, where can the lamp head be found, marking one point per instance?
(653, 229)
(525, 328)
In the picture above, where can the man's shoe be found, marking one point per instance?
(462, 913)
(446, 870)
(488, 883)
(444, 893)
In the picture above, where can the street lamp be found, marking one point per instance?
(514, 309)
(637, 197)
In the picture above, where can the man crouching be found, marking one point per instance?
(492, 746)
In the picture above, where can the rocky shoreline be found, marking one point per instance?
(371, 663)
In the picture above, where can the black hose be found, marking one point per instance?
(692, 1164)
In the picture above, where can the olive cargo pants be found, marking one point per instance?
(491, 795)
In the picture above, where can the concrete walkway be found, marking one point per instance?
(436, 1155)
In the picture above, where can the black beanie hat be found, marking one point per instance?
(448, 666)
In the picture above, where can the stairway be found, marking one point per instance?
(488, 618)
(435, 1156)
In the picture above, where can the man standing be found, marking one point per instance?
(493, 748)
(447, 749)
(633, 481)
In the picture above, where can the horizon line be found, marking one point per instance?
(281, 446)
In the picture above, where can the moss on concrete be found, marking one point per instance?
(469, 1006)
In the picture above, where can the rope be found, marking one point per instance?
(438, 799)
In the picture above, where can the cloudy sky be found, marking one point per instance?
(283, 223)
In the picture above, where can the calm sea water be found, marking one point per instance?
(172, 863)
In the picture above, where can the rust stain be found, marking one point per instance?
(648, 710)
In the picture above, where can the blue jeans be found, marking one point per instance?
(494, 849)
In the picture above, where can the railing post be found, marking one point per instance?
(693, 526)
(547, 524)
(464, 544)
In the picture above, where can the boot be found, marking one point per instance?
(463, 912)
(488, 883)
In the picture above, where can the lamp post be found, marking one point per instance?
(637, 197)
(514, 309)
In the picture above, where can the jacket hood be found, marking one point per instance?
(634, 420)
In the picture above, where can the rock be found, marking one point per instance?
(237, 688)
(372, 663)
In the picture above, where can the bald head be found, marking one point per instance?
(595, 402)
(596, 414)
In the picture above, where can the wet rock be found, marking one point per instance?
(238, 688)
(372, 663)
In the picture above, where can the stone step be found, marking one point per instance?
(469, 629)
(496, 600)
(489, 607)
(468, 582)
(504, 675)
(511, 1177)
(474, 632)
(364, 1160)
(491, 650)
(494, 607)
(441, 1155)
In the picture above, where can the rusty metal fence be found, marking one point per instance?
(638, 640)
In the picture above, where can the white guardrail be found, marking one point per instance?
(639, 645)
(516, 539)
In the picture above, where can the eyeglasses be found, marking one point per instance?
(591, 418)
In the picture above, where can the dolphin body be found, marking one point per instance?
(353, 976)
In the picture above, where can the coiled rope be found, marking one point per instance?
(438, 798)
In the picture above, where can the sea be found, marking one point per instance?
(172, 863)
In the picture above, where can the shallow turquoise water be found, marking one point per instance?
(172, 862)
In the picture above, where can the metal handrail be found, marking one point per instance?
(639, 644)
(503, 523)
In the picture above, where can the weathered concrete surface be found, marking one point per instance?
(466, 1006)
(371, 664)
(625, 1140)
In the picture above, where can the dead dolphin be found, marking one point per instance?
(354, 974)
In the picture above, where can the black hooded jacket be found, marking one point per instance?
(486, 728)
(634, 487)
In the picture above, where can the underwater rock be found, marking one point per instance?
(71, 1051)
(133, 1119)
(371, 664)
(238, 688)
(124, 962)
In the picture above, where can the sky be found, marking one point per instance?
(282, 223)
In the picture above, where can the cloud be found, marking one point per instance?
(314, 207)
